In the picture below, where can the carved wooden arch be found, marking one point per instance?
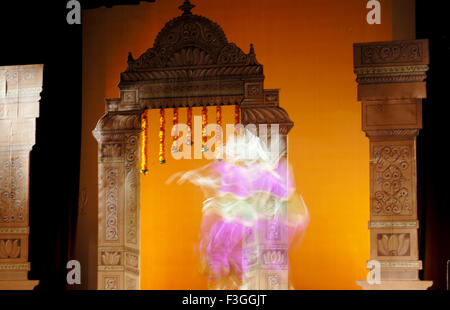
(190, 64)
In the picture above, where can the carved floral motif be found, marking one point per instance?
(393, 244)
(253, 90)
(9, 248)
(112, 196)
(131, 206)
(191, 47)
(180, 32)
(132, 260)
(273, 281)
(392, 168)
(190, 56)
(110, 283)
(111, 258)
(18, 75)
(274, 257)
(12, 208)
(231, 54)
(111, 150)
(131, 188)
(403, 52)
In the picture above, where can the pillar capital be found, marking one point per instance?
(115, 124)
(391, 70)
(266, 111)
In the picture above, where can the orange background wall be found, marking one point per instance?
(306, 50)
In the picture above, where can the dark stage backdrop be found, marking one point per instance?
(35, 32)
(432, 22)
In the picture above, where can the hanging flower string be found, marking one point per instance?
(144, 138)
(162, 123)
(175, 147)
(237, 118)
(204, 123)
(219, 124)
(189, 124)
(237, 115)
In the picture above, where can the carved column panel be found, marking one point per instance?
(391, 86)
(20, 88)
(118, 209)
(267, 252)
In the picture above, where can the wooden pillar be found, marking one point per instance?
(267, 252)
(391, 86)
(117, 134)
(20, 88)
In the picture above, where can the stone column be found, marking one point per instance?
(266, 252)
(20, 88)
(391, 87)
(118, 196)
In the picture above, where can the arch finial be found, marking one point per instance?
(252, 49)
(186, 7)
(252, 56)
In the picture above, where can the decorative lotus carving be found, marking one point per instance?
(9, 248)
(191, 56)
(276, 257)
(393, 244)
(132, 260)
(110, 258)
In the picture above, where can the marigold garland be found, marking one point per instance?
(219, 123)
(237, 115)
(162, 123)
(204, 123)
(175, 147)
(237, 118)
(144, 139)
(189, 124)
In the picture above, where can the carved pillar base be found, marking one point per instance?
(18, 285)
(396, 285)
